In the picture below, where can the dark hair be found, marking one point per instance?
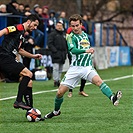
(33, 17)
(14, 1)
(75, 17)
(26, 6)
(21, 4)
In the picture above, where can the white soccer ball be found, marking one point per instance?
(33, 115)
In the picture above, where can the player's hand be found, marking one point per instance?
(37, 56)
(91, 50)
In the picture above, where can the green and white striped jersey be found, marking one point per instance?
(82, 43)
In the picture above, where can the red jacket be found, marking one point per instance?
(69, 30)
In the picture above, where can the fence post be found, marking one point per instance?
(120, 40)
(107, 36)
(101, 34)
(114, 28)
(45, 33)
(3, 23)
(93, 34)
(20, 20)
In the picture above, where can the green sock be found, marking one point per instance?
(58, 102)
(106, 90)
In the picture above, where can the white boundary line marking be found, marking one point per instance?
(40, 92)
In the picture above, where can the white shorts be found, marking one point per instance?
(76, 73)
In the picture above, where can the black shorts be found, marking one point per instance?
(10, 67)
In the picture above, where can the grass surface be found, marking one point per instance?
(93, 114)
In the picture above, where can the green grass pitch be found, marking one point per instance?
(93, 114)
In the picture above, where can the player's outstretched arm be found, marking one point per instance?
(3, 32)
(27, 54)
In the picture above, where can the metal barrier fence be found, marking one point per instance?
(107, 34)
(101, 33)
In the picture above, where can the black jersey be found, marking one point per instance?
(13, 40)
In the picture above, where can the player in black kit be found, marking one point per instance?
(10, 67)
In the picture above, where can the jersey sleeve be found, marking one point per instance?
(77, 51)
(11, 29)
(69, 42)
(18, 27)
(72, 46)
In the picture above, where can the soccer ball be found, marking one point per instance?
(33, 115)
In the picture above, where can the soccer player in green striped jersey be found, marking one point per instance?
(81, 67)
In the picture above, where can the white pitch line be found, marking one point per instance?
(40, 92)
(7, 98)
(114, 79)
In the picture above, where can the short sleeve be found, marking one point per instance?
(11, 29)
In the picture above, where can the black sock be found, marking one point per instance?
(22, 87)
(83, 81)
(70, 90)
(28, 96)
